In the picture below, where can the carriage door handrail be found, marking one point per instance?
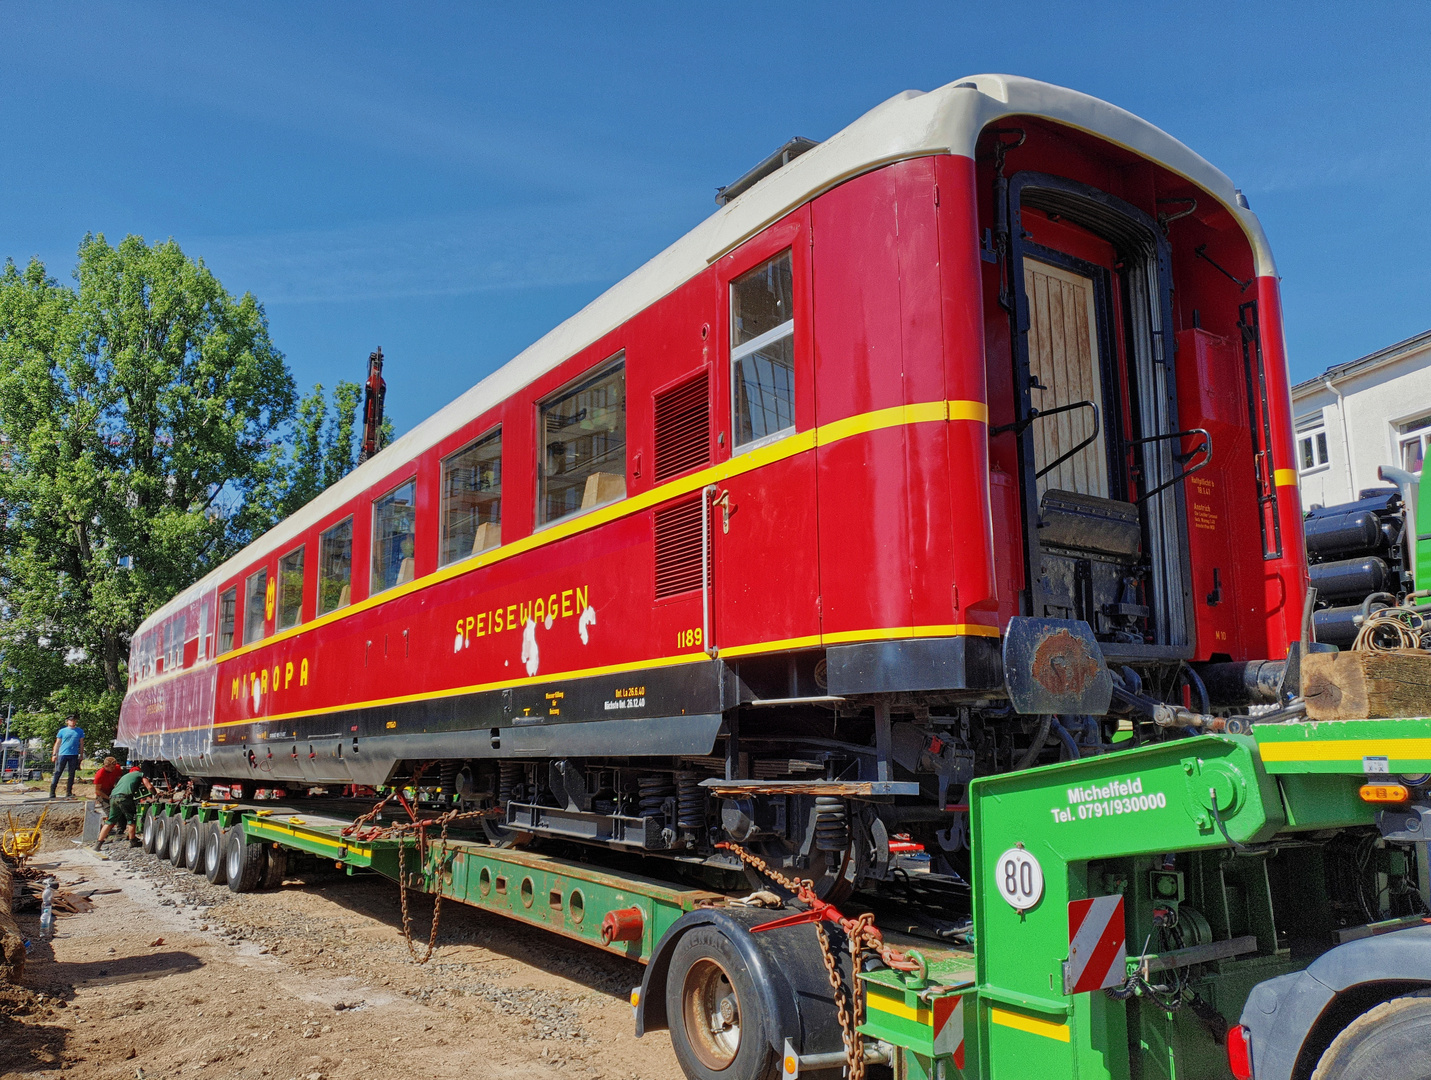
(708, 502)
(1182, 458)
(1018, 427)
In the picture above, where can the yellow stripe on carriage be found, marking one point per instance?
(799, 443)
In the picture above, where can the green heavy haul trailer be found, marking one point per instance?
(1224, 905)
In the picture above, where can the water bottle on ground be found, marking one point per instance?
(47, 908)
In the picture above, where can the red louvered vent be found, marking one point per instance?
(678, 548)
(683, 421)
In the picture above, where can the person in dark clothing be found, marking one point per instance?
(124, 806)
(69, 748)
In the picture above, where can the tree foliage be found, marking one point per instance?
(324, 446)
(141, 414)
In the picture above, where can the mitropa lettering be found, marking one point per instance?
(259, 683)
(1114, 789)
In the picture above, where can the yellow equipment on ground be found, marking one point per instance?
(20, 843)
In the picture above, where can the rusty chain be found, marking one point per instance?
(861, 933)
(849, 1032)
(417, 828)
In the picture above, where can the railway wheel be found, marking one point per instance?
(215, 866)
(1389, 1040)
(275, 866)
(149, 837)
(243, 861)
(177, 829)
(712, 1006)
(194, 834)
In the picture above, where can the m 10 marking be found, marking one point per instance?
(1113, 799)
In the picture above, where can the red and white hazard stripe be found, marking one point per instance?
(1097, 946)
(949, 1028)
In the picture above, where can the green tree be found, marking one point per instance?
(141, 415)
(323, 447)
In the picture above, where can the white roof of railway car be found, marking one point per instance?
(908, 125)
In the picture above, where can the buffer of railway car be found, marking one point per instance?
(1126, 908)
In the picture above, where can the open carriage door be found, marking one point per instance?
(1100, 455)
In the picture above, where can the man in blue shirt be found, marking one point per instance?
(69, 748)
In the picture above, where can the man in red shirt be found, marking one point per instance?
(104, 781)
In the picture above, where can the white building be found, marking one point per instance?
(1357, 416)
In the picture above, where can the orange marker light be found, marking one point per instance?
(636, 997)
(1384, 793)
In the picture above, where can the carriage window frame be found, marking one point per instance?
(606, 369)
(228, 619)
(378, 509)
(284, 601)
(740, 350)
(446, 558)
(325, 538)
(255, 629)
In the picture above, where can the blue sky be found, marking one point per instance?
(451, 181)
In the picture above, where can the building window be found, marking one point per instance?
(255, 599)
(583, 432)
(472, 499)
(335, 567)
(394, 536)
(1311, 442)
(762, 351)
(290, 589)
(1412, 438)
(228, 606)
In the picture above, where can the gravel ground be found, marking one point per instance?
(175, 977)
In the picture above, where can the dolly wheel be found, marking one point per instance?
(166, 836)
(714, 1012)
(275, 866)
(176, 827)
(244, 863)
(1389, 1040)
(149, 836)
(215, 867)
(194, 835)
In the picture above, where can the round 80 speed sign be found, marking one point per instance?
(1019, 878)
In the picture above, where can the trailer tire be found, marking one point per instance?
(1389, 1040)
(149, 837)
(244, 861)
(714, 1038)
(172, 845)
(178, 841)
(215, 866)
(161, 835)
(195, 833)
(275, 866)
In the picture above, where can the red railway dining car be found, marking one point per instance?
(956, 443)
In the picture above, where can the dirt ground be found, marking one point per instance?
(173, 977)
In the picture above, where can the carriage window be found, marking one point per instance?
(583, 434)
(335, 567)
(762, 351)
(290, 589)
(472, 499)
(255, 599)
(206, 628)
(394, 536)
(228, 604)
